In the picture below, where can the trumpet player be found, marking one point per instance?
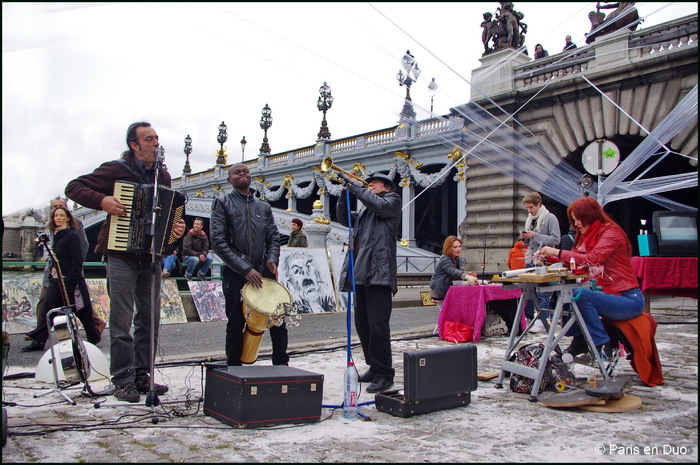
(375, 227)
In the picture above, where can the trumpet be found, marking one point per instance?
(327, 164)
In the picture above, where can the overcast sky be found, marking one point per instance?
(75, 75)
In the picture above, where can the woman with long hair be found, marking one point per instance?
(68, 252)
(601, 244)
(449, 268)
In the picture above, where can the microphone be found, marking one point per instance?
(160, 155)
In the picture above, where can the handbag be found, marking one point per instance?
(494, 325)
(456, 332)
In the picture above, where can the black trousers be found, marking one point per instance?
(372, 315)
(54, 299)
(232, 286)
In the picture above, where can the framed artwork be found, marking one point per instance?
(208, 298)
(306, 274)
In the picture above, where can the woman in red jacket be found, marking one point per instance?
(602, 245)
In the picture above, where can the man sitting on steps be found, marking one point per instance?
(195, 251)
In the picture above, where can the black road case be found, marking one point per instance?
(434, 379)
(256, 396)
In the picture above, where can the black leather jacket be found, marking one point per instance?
(243, 232)
(375, 229)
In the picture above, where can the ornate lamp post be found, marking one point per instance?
(265, 123)
(221, 138)
(188, 150)
(325, 101)
(243, 143)
(407, 76)
(432, 90)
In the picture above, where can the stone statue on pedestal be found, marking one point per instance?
(506, 30)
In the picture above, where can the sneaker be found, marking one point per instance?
(188, 277)
(202, 276)
(538, 327)
(166, 274)
(127, 392)
(143, 385)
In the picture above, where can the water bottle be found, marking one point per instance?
(352, 390)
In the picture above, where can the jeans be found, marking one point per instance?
(543, 300)
(594, 304)
(169, 262)
(232, 284)
(372, 315)
(129, 284)
(192, 262)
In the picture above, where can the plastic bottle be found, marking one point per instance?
(569, 360)
(572, 265)
(352, 389)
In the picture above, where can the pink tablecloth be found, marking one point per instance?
(677, 276)
(467, 304)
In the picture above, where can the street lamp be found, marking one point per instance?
(188, 150)
(432, 90)
(243, 142)
(407, 76)
(221, 138)
(325, 101)
(265, 123)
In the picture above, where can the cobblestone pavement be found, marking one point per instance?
(497, 426)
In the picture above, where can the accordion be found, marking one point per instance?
(134, 232)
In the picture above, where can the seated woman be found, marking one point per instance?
(601, 244)
(449, 268)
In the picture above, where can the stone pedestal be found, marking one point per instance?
(495, 75)
(318, 227)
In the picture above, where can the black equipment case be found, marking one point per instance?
(434, 379)
(256, 396)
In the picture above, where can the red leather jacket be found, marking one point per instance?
(609, 262)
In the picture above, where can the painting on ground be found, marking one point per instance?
(305, 272)
(19, 299)
(209, 300)
(337, 254)
(171, 308)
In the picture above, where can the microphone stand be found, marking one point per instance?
(152, 397)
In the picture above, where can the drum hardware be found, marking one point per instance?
(327, 164)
